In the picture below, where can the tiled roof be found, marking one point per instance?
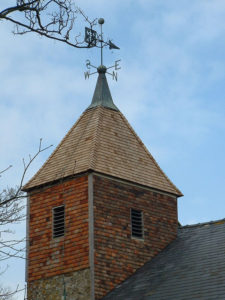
(191, 267)
(103, 141)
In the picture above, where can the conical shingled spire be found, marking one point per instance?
(102, 95)
(103, 141)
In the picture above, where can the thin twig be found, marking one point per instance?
(52, 19)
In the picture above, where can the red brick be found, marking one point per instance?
(74, 194)
(117, 255)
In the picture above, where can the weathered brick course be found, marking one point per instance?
(117, 254)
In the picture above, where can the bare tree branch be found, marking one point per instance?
(5, 170)
(7, 294)
(10, 195)
(54, 19)
(12, 211)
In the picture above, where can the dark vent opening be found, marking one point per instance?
(58, 221)
(136, 223)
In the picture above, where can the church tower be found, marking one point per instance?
(99, 208)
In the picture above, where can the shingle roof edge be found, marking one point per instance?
(28, 185)
(179, 194)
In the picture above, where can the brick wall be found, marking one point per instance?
(50, 257)
(117, 255)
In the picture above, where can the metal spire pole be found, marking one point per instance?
(101, 21)
(93, 39)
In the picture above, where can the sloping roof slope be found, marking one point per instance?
(191, 267)
(102, 140)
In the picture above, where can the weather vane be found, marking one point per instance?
(92, 38)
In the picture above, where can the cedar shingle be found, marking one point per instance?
(102, 140)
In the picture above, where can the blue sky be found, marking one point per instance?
(171, 88)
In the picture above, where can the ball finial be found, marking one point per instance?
(101, 21)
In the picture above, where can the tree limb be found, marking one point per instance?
(53, 19)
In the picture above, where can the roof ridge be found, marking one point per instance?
(149, 154)
(54, 152)
(78, 141)
(95, 140)
(216, 222)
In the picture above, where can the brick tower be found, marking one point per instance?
(99, 208)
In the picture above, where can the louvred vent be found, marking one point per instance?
(58, 221)
(136, 223)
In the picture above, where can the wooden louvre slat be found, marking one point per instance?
(58, 221)
(136, 223)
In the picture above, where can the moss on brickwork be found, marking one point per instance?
(77, 287)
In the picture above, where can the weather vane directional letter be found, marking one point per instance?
(93, 40)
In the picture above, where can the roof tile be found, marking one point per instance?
(191, 267)
(102, 140)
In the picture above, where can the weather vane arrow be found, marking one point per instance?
(93, 39)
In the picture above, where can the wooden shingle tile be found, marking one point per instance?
(102, 140)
